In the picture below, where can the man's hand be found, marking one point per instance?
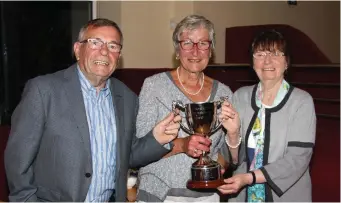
(167, 129)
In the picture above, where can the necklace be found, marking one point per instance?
(269, 92)
(202, 84)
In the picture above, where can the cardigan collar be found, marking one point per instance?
(275, 108)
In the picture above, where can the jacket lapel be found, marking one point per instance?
(74, 95)
(117, 95)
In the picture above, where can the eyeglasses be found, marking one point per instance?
(189, 45)
(97, 44)
(262, 54)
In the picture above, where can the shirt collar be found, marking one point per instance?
(87, 87)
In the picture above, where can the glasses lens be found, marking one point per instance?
(278, 54)
(203, 45)
(113, 47)
(186, 45)
(95, 43)
(259, 55)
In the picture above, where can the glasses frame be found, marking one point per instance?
(100, 40)
(272, 55)
(195, 44)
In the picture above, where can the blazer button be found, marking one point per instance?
(88, 175)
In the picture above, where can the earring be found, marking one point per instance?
(177, 57)
(77, 58)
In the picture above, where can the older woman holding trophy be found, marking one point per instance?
(187, 87)
(278, 129)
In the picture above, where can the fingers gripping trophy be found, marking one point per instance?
(202, 119)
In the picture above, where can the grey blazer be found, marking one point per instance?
(48, 156)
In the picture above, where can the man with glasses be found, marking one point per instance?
(73, 133)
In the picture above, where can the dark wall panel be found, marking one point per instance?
(36, 38)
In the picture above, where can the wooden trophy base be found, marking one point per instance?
(212, 184)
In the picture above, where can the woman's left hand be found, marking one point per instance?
(235, 183)
(230, 118)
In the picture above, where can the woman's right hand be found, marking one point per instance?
(194, 145)
(235, 183)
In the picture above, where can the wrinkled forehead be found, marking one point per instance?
(107, 33)
(268, 45)
(197, 32)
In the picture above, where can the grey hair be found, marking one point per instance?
(99, 22)
(190, 23)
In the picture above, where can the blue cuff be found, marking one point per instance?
(169, 145)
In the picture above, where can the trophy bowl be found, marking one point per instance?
(202, 120)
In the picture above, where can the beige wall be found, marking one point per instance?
(319, 20)
(147, 25)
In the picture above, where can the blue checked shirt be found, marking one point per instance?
(102, 126)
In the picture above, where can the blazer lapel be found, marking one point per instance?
(117, 95)
(74, 95)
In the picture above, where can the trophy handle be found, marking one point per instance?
(218, 105)
(179, 105)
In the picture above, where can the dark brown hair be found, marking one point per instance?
(270, 40)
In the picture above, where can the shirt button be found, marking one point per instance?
(88, 175)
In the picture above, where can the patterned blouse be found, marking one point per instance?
(255, 145)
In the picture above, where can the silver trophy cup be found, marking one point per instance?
(202, 119)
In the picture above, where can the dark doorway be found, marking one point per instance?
(36, 38)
